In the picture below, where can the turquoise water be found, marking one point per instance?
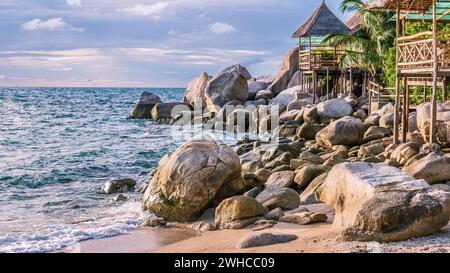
(57, 148)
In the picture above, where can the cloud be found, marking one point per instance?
(153, 10)
(52, 24)
(221, 28)
(73, 2)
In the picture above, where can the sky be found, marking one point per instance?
(144, 43)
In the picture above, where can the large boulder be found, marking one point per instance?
(285, 96)
(295, 80)
(442, 122)
(283, 198)
(230, 84)
(377, 202)
(195, 92)
(254, 86)
(144, 105)
(199, 172)
(333, 109)
(168, 110)
(345, 131)
(286, 72)
(237, 208)
(433, 168)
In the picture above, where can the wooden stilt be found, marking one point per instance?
(435, 79)
(397, 81)
(351, 81)
(425, 92)
(444, 89)
(405, 110)
(328, 83)
(314, 87)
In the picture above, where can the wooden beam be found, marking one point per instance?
(397, 79)
(405, 110)
(444, 89)
(435, 78)
(444, 14)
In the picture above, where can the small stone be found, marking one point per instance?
(281, 179)
(253, 192)
(265, 239)
(274, 214)
(119, 186)
(120, 198)
(304, 218)
(202, 226)
(153, 221)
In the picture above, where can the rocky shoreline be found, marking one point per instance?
(332, 153)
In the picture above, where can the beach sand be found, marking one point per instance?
(316, 238)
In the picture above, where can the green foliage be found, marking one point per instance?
(389, 75)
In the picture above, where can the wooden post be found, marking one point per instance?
(364, 89)
(370, 102)
(405, 110)
(444, 89)
(351, 81)
(314, 87)
(397, 80)
(425, 91)
(328, 83)
(435, 78)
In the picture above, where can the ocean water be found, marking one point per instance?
(58, 146)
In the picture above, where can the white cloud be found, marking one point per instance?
(153, 10)
(221, 28)
(73, 2)
(52, 24)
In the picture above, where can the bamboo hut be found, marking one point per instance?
(423, 55)
(316, 60)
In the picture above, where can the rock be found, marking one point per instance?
(120, 185)
(199, 172)
(281, 179)
(387, 121)
(345, 131)
(275, 214)
(404, 152)
(168, 110)
(433, 168)
(143, 107)
(287, 70)
(265, 239)
(240, 224)
(377, 202)
(285, 130)
(195, 92)
(310, 114)
(375, 132)
(442, 122)
(373, 120)
(289, 115)
(361, 114)
(153, 221)
(412, 122)
(230, 84)
(255, 103)
(308, 196)
(202, 226)
(308, 173)
(308, 131)
(241, 119)
(283, 198)
(333, 109)
(285, 97)
(264, 94)
(238, 208)
(299, 104)
(304, 218)
(263, 224)
(254, 87)
(120, 198)
(441, 187)
(262, 175)
(295, 80)
(253, 192)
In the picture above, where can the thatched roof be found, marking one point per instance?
(354, 23)
(411, 5)
(322, 22)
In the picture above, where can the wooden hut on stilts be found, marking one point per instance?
(317, 61)
(421, 58)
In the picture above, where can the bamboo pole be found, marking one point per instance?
(397, 80)
(435, 78)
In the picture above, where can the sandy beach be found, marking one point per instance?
(317, 238)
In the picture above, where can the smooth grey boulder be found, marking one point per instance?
(442, 122)
(254, 87)
(333, 109)
(265, 239)
(168, 110)
(230, 84)
(347, 131)
(237, 208)
(286, 71)
(144, 105)
(283, 198)
(433, 168)
(195, 92)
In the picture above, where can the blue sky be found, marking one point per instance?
(149, 43)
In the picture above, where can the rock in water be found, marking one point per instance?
(143, 107)
(433, 168)
(286, 72)
(345, 131)
(442, 124)
(120, 185)
(265, 239)
(333, 109)
(200, 171)
(229, 85)
(168, 110)
(377, 202)
(237, 208)
(196, 90)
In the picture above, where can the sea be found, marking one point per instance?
(58, 146)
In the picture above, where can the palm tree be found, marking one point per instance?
(365, 49)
